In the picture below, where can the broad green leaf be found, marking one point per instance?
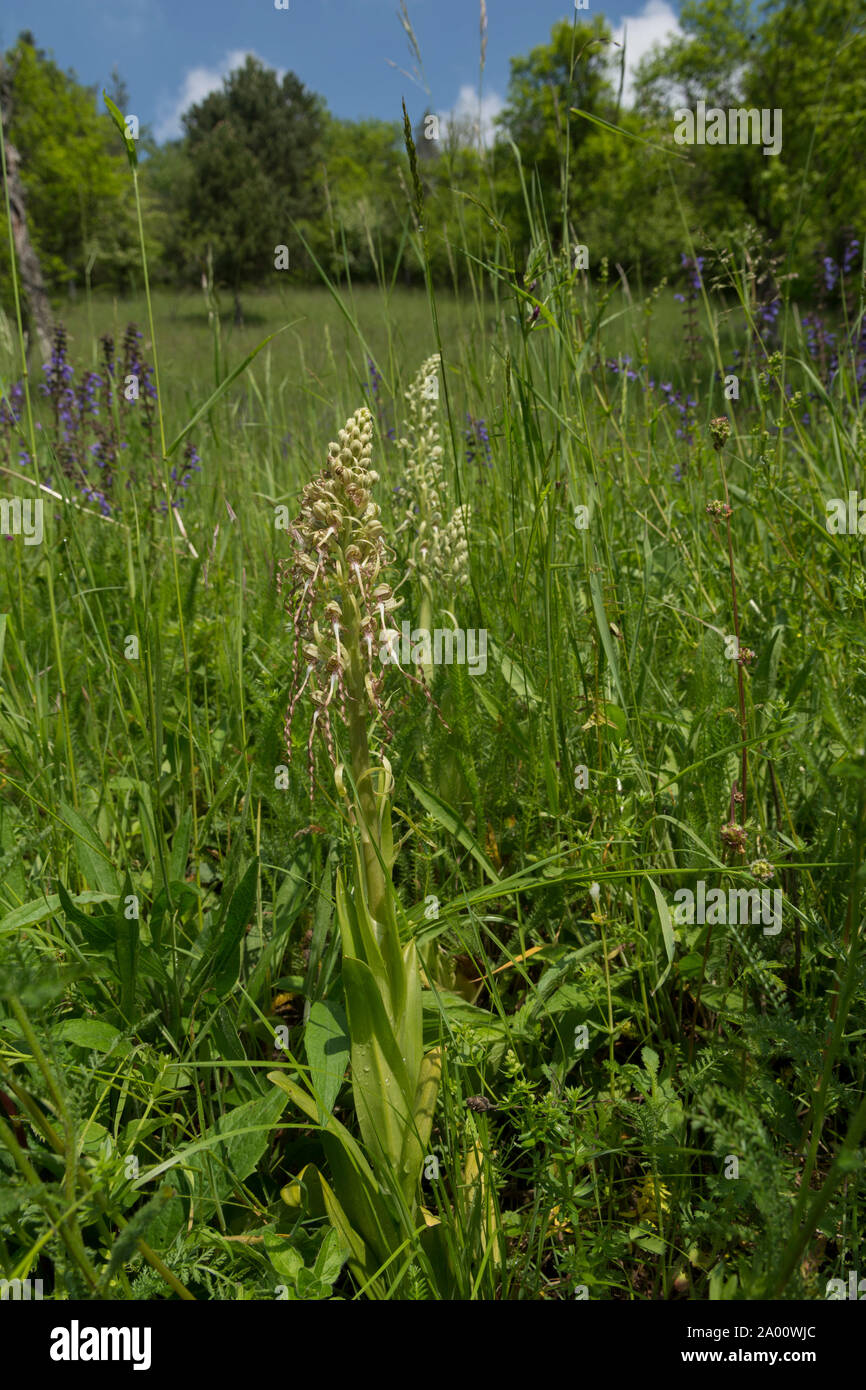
(240, 1136)
(180, 847)
(354, 1182)
(309, 1287)
(222, 957)
(326, 1038)
(28, 914)
(361, 1198)
(362, 1260)
(409, 1025)
(99, 930)
(285, 1258)
(515, 677)
(300, 1097)
(667, 931)
(357, 930)
(654, 1245)
(225, 1034)
(91, 1033)
(332, 1127)
(256, 1118)
(92, 856)
(380, 1081)
(425, 1102)
(171, 1218)
(141, 1223)
(650, 1059)
(331, 1258)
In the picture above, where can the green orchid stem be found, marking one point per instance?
(425, 620)
(376, 867)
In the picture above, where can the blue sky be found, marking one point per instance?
(172, 52)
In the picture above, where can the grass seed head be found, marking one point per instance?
(720, 431)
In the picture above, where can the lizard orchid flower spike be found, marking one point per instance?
(340, 603)
(440, 551)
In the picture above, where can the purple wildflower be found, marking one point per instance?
(477, 440)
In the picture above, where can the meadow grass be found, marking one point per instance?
(677, 1107)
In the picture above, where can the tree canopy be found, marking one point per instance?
(261, 159)
(79, 204)
(252, 151)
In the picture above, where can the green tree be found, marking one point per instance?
(172, 251)
(810, 62)
(79, 208)
(807, 61)
(571, 71)
(364, 218)
(706, 61)
(253, 151)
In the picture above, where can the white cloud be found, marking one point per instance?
(196, 85)
(465, 114)
(656, 22)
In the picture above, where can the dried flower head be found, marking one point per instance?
(734, 837)
(718, 509)
(720, 430)
(479, 1104)
(763, 869)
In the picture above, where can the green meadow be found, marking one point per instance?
(169, 885)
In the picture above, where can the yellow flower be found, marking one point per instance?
(653, 1195)
(557, 1226)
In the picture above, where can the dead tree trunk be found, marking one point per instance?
(29, 269)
